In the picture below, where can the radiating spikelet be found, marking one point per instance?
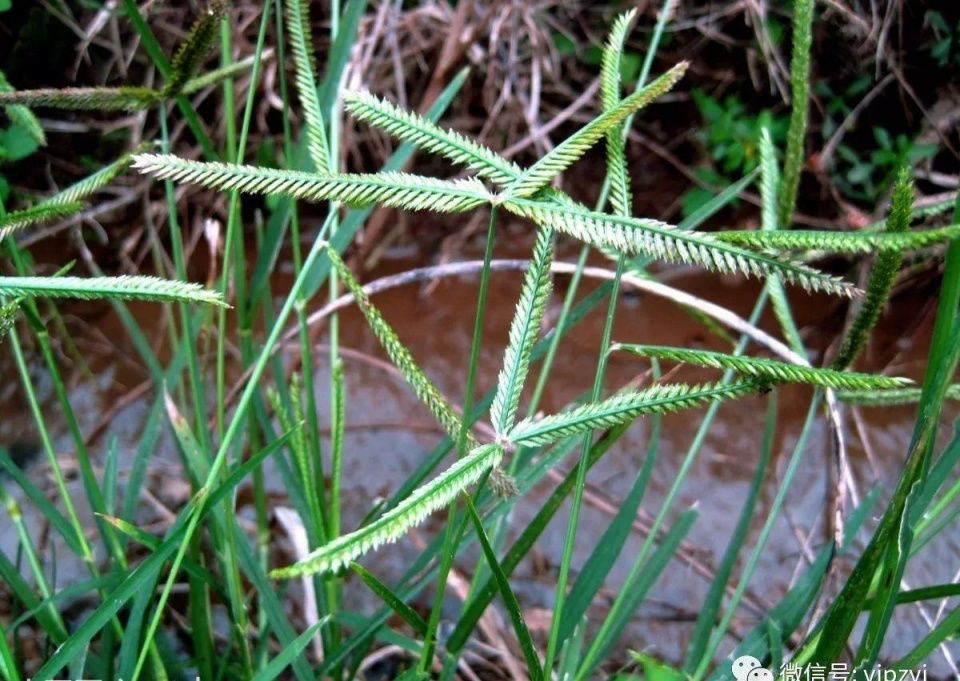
(803, 12)
(65, 202)
(769, 191)
(398, 190)
(620, 198)
(114, 288)
(196, 46)
(301, 45)
(393, 524)
(218, 75)
(22, 116)
(401, 357)
(83, 188)
(840, 242)
(623, 408)
(769, 182)
(13, 222)
(571, 149)
(85, 99)
(523, 334)
(891, 398)
(768, 369)
(430, 137)
(8, 315)
(665, 242)
(882, 276)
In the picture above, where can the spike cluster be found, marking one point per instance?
(620, 198)
(22, 116)
(196, 46)
(8, 314)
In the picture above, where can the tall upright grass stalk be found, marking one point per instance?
(622, 203)
(799, 108)
(453, 525)
(884, 559)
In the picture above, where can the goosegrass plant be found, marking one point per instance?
(273, 414)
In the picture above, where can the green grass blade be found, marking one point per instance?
(525, 542)
(289, 653)
(8, 666)
(609, 546)
(509, 598)
(946, 629)
(616, 622)
(784, 617)
(36, 496)
(408, 614)
(710, 609)
(839, 621)
(144, 576)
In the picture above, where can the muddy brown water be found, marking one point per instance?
(389, 433)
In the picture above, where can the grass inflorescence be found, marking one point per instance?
(235, 581)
